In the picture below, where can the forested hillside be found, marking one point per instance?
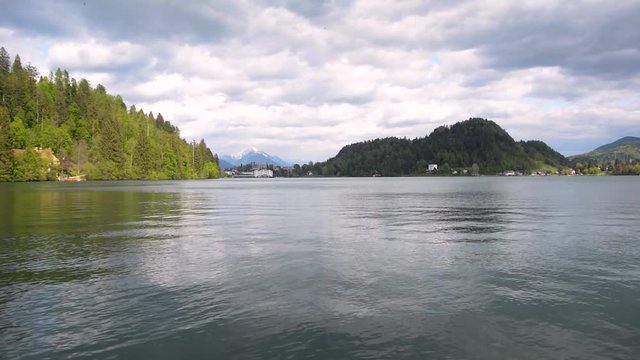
(541, 153)
(91, 132)
(454, 148)
(386, 157)
(625, 149)
(621, 157)
(475, 141)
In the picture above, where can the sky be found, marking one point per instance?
(301, 79)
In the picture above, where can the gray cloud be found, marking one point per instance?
(307, 77)
(138, 20)
(310, 9)
(35, 18)
(144, 20)
(583, 39)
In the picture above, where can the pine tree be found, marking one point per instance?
(159, 121)
(111, 148)
(5, 60)
(7, 159)
(142, 156)
(4, 74)
(17, 65)
(92, 126)
(16, 87)
(61, 96)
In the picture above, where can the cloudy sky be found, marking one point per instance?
(301, 79)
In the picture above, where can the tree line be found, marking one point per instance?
(474, 146)
(93, 132)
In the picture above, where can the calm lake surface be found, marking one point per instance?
(376, 268)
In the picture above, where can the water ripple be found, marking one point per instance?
(486, 268)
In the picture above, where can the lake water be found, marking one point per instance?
(376, 268)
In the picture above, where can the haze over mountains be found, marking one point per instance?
(249, 156)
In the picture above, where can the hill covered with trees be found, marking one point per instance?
(543, 155)
(624, 149)
(92, 132)
(621, 157)
(472, 146)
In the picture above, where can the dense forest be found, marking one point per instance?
(543, 155)
(54, 126)
(474, 146)
(621, 157)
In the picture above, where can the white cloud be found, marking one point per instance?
(91, 53)
(303, 81)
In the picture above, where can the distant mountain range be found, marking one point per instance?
(627, 148)
(474, 141)
(249, 156)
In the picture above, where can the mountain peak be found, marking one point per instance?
(625, 148)
(627, 140)
(251, 150)
(253, 155)
(245, 152)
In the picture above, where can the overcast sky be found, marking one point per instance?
(301, 79)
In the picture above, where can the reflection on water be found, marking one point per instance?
(329, 268)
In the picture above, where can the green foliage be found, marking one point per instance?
(30, 166)
(476, 141)
(594, 170)
(142, 157)
(19, 134)
(211, 170)
(111, 149)
(470, 147)
(629, 167)
(7, 158)
(387, 157)
(541, 152)
(622, 157)
(625, 149)
(100, 137)
(4, 61)
(56, 138)
(4, 75)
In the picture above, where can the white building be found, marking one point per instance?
(263, 173)
(433, 167)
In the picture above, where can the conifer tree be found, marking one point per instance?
(91, 126)
(16, 87)
(4, 74)
(111, 148)
(7, 160)
(142, 156)
(159, 121)
(5, 60)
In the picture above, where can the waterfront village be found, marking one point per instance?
(253, 170)
(67, 170)
(260, 170)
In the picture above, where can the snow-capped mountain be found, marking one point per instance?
(253, 155)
